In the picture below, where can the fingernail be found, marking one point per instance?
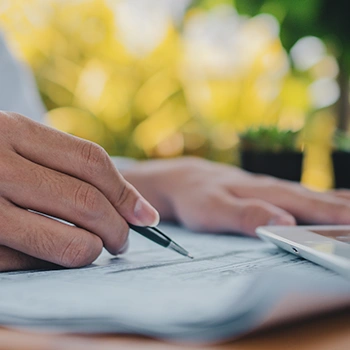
(145, 214)
(281, 221)
(124, 248)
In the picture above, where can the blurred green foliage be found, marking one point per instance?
(189, 93)
(270, 139)
(341, 141)
(327, 19)
(205, 78)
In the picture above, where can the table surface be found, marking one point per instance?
(325, 332)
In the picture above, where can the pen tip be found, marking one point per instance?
(180, 250)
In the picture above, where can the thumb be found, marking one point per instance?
(133, 207)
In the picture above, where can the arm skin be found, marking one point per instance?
(208, 196)
(60, 175)
(44, 171)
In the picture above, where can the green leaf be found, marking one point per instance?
(270, 139)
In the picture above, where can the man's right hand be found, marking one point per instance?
(53, 173)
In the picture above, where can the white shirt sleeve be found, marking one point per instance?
(18, 91)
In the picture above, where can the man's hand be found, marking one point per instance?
(59, 175)
(207, 196)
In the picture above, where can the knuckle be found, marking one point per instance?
(122, 194)
(250, 211)
(80, 252)
(268, 181)
(213, 197)
(13, 126)
(338, 213)
(200, 220)
(94, 158)
(87, 201)
(253, 206)
(5, 118)
(6, 122)
(11, 118)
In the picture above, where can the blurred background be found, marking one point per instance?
(165, 78)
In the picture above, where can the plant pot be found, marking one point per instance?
(284, 165)
(341, 168)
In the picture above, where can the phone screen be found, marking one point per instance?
(339, 235)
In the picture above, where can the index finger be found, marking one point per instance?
(82, 159)
(304, 204)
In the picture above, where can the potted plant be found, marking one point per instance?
(341, 160)
(270, 151)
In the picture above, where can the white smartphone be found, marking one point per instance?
(328, 246)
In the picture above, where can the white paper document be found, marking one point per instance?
(233, 286)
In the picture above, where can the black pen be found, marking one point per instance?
(157, 236)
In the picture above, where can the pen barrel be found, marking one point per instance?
(144, 231)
